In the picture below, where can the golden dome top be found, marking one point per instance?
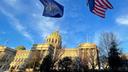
(54, 39)
(87, 45)
(54, 35)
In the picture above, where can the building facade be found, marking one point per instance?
(19, 60)
(87, 52)
(124, 62)
(6, 56)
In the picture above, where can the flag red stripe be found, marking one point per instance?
(105, 4)
(98, 14)
(108, 4)
(98, 2)
(100, 8)
(99, 11)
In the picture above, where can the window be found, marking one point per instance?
(48, 40)
(7, 60)
(3, 67)
(55, 40)
(0, 66)
(52, 40)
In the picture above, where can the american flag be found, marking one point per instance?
(99, 7)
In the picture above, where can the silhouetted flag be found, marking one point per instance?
(99, 7)
(52, 8)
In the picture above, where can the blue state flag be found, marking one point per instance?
(52, 8)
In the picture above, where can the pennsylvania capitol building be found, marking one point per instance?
(12, 60)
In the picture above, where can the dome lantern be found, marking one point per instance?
(54, 39)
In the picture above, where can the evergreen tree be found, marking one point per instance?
(114, 57)
(65, 64)
(46, 64)
(109, 51)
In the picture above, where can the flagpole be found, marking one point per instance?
(5, 43)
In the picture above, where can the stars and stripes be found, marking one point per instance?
(52, 8)
(99, 7)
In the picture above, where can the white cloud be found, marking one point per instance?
(17, 25)
(123, 20)
(45, 25)
(12, 3)
(40, 24)
(2, 32)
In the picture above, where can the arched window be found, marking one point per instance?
(55, 40)
(49, 40)
(52, 40)
(17, 67)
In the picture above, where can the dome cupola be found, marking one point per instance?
(54, 39)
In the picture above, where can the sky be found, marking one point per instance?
(22, 23)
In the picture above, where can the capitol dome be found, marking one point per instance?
(54, 39)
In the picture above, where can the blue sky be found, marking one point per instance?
(22, 23)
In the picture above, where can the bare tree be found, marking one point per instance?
(91, 58)
(35, 58)
(58, 52)
(83, 55)
(105, 40)
(51, 59)
(32, 61)
(65, 64)
(78, 65)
